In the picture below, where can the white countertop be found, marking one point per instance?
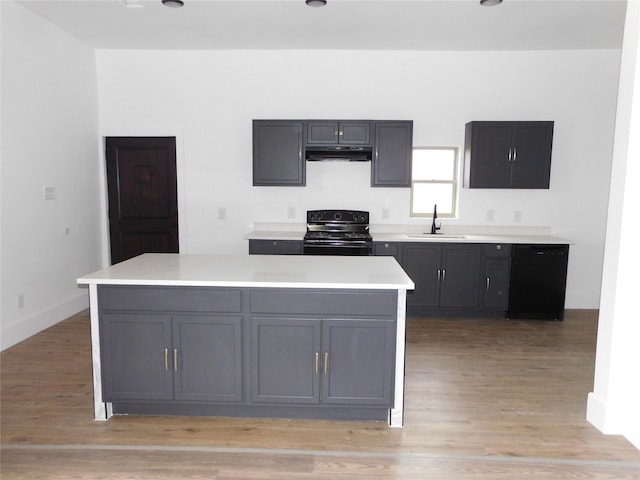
(273, 271)
(541, 239)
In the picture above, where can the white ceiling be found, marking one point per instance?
(341, 24)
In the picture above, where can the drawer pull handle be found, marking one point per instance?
(326, 362)
(488, 284)
(175, 359)
(317, 355)
(166, 359)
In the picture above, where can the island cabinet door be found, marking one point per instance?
(357, 361)
(136, 357)
(285, 360)
(207, 358)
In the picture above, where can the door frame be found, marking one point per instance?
(178, 133)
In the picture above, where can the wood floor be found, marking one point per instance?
(485, 399)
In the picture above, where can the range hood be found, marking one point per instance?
(338, 153)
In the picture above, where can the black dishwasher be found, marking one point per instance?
(538, 281)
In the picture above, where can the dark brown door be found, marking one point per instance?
(143, 200)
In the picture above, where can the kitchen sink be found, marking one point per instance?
(434, 236)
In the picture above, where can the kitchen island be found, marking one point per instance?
(263, 336)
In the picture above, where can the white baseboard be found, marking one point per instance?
(19, 331)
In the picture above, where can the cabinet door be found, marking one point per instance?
(137, 359)
(357, 362)
(354, 133)
(275, 247)
(324, 132)
(285, 360)
(277, 153)
(460, 275)
(392, 152)
(207, 358)
(496, 283)
(488, 154)
(531, 154)
(422, 262)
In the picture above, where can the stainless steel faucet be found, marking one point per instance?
(435, 228)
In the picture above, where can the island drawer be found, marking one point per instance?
(498, 250)
(174, 299)
(324, 303)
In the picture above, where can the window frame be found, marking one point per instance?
(454, 182)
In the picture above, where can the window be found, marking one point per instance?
(434, 181)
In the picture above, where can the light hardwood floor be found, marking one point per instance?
(485, 399)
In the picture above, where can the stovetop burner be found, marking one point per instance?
(337, 232)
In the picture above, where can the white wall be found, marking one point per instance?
(614, 404)
(210, 97)
(49, 138)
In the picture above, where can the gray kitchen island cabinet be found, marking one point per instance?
(151, 352)
(249, 335)
(161, 357)
(314, 361)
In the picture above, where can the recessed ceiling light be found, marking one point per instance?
(490, 3)
(316, 3)
(173, 3)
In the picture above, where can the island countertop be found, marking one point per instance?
(255, 271)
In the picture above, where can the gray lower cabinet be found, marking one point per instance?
(322, 361)
(171, 357)
(445, 276)
(497, 268)
(275, 247)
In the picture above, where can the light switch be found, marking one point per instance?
(49, 193)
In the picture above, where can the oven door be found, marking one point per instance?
(360, 249)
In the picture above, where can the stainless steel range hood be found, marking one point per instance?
(338, 153)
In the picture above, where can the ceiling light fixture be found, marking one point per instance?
(316, 3)
(490, 3)
(173, 3)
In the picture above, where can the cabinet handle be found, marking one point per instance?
(175, 359)
(515, 153)
(509, 154)
(166, 359)
(341, 133)
(317, 355)
(439, 275)
(326, 362)
(444, 274)
(488, 284)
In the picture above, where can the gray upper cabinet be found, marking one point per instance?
(278, 153)
(328, 132)
(508, 154)
(392, 153)
(279, 148)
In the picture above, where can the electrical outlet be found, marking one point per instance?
(49, 193)
(20, 300)
(517, 216)
(491, 215)
(291, 212)
(385, 213)
(222, 213)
